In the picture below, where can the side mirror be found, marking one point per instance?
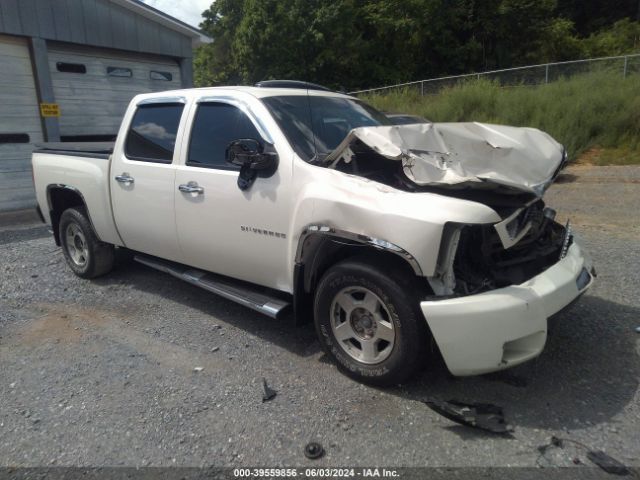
(247, 152)
(252, 157)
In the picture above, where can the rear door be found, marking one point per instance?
(143, 175)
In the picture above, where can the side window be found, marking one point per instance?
(215, 126)
(152, 134)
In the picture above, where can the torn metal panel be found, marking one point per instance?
(460, 155)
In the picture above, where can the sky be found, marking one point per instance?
(189, 11)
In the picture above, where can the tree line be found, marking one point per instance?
(353, 44)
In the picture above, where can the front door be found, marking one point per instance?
(242, 234)
(143, 179)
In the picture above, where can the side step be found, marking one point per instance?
(240, 292)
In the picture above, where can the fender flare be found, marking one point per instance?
(313, 239)
(305, 251)
(53, 219)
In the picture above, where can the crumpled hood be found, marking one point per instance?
(462, 155)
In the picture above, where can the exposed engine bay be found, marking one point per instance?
(483, 263)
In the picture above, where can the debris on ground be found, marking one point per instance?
(478, 415)
(313, 450)
(269, 393)
(215, 349)
(508, 378)
(598, 457)
(637, 329)
(555, 442)
(607, 463)
(198, 369)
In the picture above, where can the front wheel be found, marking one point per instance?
(86, 255)
(368, 320)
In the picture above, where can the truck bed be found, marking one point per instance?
(77, 149)
(82, 167)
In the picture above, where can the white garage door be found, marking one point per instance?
(20, 125)
(93, 87)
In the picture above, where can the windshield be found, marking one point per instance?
(315, 125)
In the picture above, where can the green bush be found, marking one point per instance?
(591, 110)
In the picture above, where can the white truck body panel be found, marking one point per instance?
(254, 235)
(90, 176)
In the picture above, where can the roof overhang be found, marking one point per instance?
(197, 36)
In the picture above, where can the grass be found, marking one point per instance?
(592, 112)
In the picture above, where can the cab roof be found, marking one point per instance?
(258, 92)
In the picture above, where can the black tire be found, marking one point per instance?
(88, 257)
(397, 293)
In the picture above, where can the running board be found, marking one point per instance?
(234, 290)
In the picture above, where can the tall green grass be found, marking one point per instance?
(591, 110)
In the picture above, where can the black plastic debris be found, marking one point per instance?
(269, 393)
(478, 415)
(313, 450)
(607, 463)
(598, 457)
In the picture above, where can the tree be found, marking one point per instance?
(362, 43)
(215, 63)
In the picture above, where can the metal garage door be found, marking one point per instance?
(93, 86)
(20, 125)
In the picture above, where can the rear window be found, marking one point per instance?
(152, 135)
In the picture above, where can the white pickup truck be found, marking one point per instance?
(391, 238)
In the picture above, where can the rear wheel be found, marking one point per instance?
(367, 319)
(87, 256)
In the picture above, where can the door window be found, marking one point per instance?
(152, 135)
(215, 126)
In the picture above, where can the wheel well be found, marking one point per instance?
(61, 198)
(322, 252)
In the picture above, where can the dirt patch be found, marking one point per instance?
(64, 324)
(51, 326)
(589, 156)
(69, 324)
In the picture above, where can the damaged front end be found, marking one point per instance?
(487, 259)
(468, 160)
(494, 284)
(478, 258)
(505, 168)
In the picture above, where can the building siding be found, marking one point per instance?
(20, 114)
(99, 23)
(35, 34)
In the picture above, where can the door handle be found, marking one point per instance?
(124, 178)
(191, 187)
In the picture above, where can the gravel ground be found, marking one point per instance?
(102, 372)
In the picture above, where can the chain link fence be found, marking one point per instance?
(624, 66)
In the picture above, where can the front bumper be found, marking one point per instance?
(499, 329)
